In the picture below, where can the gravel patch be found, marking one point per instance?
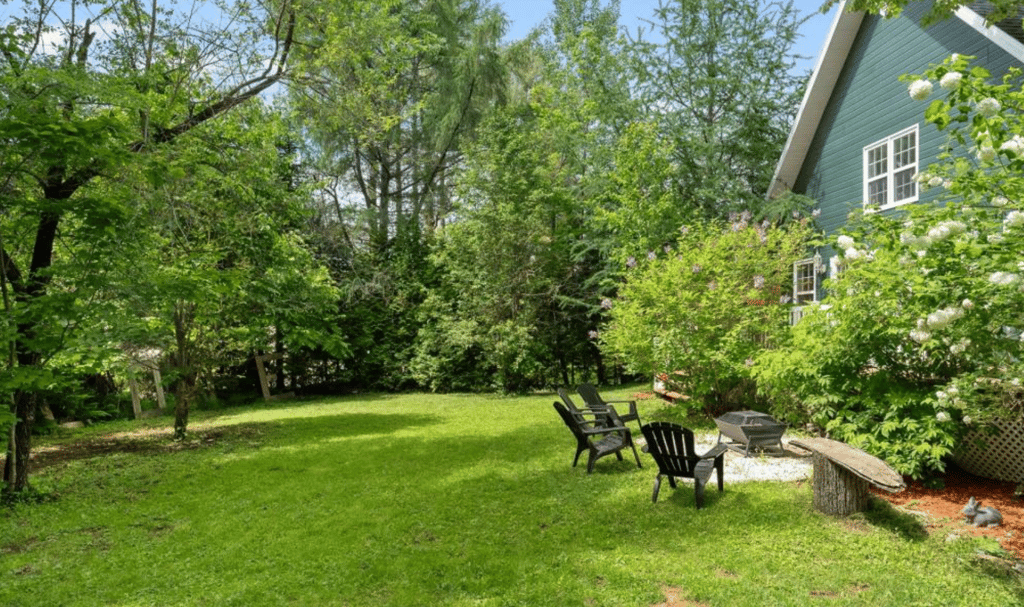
(794, 465)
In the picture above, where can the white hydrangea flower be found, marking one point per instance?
(986, 153)
(942, 416)
(1003, 278)
(989, 107)
(967, 420)
(1000, 201)
(1014, 219)
(951, 80)
(967, 304)
(852, 254)
(845, 242)
(954, 57)
(935, 181)
(920, 336)
(920, 89)
(1015, 145)
(994, 238)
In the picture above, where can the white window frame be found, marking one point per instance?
(805, 265)
(887, 159)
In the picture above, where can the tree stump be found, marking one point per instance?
(836, 490)
(842, 474)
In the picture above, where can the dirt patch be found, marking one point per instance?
(943, 507)
(672, 599)
(143, 441)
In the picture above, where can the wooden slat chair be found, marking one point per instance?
(588, 438)
(595, 402)
(671, 446)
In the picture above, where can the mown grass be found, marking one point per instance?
(443, 500)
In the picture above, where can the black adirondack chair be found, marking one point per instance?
(671, 446)
(595, 402)
(598, 440)
(601, 417)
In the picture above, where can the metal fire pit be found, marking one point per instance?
(746, 430)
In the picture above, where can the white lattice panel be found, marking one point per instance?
(996, 456)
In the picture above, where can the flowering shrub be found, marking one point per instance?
(704, 309)
(921, 334)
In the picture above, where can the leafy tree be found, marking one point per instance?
(702, 310)
(224, 271)
(389, 99)
(720, 86)
(82, 97)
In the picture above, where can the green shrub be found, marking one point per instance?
(704, 310)
(920, 336)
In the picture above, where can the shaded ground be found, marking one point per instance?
(145, 441)
(943, 507)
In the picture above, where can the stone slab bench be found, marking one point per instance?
(842, 474)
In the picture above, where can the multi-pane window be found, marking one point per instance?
(804, 285)
(889, 169)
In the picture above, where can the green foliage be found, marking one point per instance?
(920, 336)
(719, 83)
(703, 310)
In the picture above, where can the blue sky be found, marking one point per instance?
(526, 14)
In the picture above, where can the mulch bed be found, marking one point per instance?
(944, 507)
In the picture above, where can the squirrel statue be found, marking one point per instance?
(982, 516)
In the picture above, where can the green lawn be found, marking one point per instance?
(443, 500)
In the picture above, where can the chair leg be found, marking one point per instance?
(591, 461)
(635, 455)
(657, 487)
(698, 490)
(576, 459)
(719, 469)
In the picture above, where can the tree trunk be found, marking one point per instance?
(837, 491)
(185, 385)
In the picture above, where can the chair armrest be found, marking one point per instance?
(715, 451)
(604, 430)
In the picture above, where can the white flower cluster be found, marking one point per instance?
(951, 80)
(945, 229)
(1004, 279)
(940, 319)
(986, 153)
(1000, 201)
(920, 90)
(960, 347)
(920, 335)
(989, 107)
(942, 416)
(1014, 219)
(850, 252)
(1015, 145)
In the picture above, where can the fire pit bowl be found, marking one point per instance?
(746, 430)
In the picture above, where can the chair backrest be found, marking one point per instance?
(564, 395)
(590, 395)
(571, 421)
(671, 446)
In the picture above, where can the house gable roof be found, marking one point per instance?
(830, 63)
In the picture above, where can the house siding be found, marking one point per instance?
(870, 103)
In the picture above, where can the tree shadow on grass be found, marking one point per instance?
(156, 441)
